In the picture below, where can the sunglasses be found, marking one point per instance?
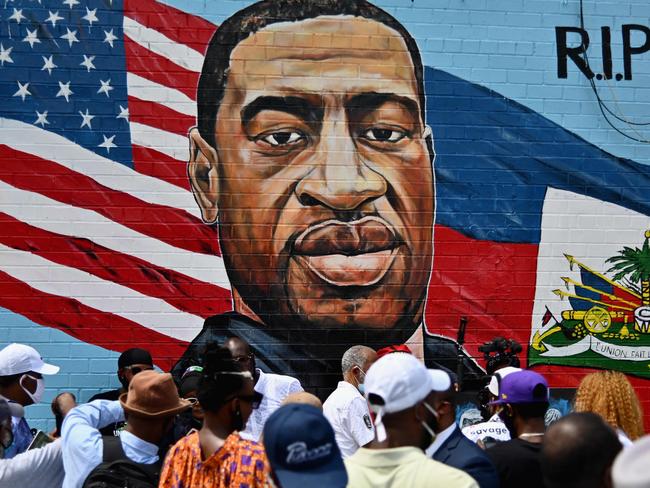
(137, 369)
(243, 358)
(255, 399)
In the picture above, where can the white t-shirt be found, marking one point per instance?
(275, 388)
(493, 428)
(42, 468)
(347, 411)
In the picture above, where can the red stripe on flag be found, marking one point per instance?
(154, 67)
(491, 283)
(173, 226)
(156, 115)
(182, 292)
(179, 26)
(86, 323)
(154, 163)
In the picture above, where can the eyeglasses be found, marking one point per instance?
(243, 358)
(137, 369)
(255, 399)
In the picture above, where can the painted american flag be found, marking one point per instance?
(99, 233)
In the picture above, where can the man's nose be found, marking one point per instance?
(339, 178)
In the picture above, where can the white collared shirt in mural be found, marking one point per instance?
(275, 388)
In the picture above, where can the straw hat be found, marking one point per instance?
(153, 395)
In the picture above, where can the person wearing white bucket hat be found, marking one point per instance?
(400, 391)
(21, 383)
(630, 469)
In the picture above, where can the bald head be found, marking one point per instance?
(303, 397)
(578, 452)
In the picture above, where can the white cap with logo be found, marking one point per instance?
(20, 358)
(399, 381)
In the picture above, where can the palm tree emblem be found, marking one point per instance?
(633, 264)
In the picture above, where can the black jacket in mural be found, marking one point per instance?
(317, 368)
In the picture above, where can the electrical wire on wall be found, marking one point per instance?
(604, 109)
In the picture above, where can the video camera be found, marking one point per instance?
(499, 353)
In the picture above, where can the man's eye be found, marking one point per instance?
(282, 138)
(384, 135)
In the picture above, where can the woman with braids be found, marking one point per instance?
(610, 395)
(216, 456)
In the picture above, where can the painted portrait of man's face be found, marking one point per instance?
(320, 177)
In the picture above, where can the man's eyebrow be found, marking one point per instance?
(372, 100)
(300, 107)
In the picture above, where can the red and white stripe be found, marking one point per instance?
(111, 255)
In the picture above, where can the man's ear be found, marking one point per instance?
(202, 171)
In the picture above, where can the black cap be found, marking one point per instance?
(134, 356)
(191, 380)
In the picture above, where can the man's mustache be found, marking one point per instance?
(366, 235)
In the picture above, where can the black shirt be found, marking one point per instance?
(317, 366)
(517, 462)
(111, 395)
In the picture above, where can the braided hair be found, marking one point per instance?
(222, 378)
(610, 395)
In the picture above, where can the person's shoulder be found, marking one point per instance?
(111, 395)
(252, 450)
(343, 396)
(513, 449)
(446, 475)
(280, 379)
(185, 445)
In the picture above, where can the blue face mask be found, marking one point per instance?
(360, 385)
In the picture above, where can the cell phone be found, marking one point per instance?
(40, 439)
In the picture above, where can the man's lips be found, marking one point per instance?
(358, 253)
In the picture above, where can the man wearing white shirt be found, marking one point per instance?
(274, 387)
(346, 408)
(151, 405)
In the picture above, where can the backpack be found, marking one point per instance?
(118, 471)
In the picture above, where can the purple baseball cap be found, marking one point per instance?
(523, 386)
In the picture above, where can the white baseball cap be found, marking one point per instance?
(20, 358)
(630, 469)
(441, 380)
(394, 383)
(493, 387)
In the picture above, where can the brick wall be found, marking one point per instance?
(103, 248)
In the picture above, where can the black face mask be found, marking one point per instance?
(123, 382)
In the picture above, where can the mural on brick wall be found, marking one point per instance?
(312, 218)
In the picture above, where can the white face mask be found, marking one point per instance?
(360, 385)
(37, 396)
(426, 426)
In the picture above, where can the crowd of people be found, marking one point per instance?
(391, 422)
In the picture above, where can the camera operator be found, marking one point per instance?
(501, 359)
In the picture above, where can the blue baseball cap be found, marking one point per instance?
(300, 446)
(523, 386)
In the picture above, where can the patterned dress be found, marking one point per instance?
(239, 463)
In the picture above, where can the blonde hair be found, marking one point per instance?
(610, 395)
